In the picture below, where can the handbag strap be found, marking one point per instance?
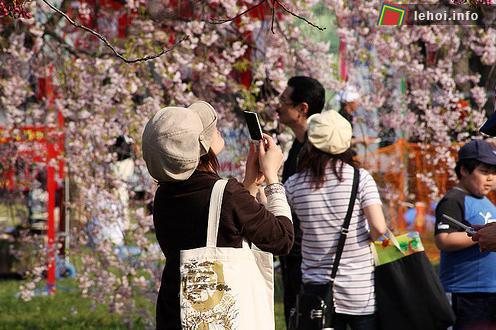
(389, 235)
(214, 212)
(346, 224)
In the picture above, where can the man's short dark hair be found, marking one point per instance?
(308, 90)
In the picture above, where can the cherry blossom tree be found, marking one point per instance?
(235, 55)
(447, 72)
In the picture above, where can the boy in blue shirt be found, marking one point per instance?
(466, 272)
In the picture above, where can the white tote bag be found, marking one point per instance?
(226, 288)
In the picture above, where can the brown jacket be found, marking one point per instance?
(180, 217)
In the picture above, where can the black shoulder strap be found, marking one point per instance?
(346, 224)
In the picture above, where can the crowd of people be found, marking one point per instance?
(302, 217)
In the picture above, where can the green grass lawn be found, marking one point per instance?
(65, 310)
(68, 310)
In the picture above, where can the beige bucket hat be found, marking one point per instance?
(175, 138)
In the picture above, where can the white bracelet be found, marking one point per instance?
(274, 188)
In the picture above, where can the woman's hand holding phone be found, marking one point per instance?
(270, 158)
(253, 176)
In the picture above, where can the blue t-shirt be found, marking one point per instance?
(466, 270)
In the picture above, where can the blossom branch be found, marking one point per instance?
(273, 4)
(107, 43)
(222, 21)
(60, 41)
(297, 16)
(288, 41)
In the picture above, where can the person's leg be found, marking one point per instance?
(340, 321)
(362, 322)
(471, 311)
(291, 279)
(491, 307)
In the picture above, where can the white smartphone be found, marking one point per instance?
(469, 230)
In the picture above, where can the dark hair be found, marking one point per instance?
(315, 161)
(208, 162)
(308, 90)
(470, 165)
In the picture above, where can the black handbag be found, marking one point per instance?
(315, 305)
(409, 295)
(309, 313)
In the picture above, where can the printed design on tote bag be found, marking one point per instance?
(207, 302)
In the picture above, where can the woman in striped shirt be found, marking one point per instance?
(319, 193)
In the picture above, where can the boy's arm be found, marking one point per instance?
(447, 237)
(453, 241)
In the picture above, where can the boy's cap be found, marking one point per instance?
(175, 138)
(479, 150)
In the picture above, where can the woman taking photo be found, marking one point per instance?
(319, 194)
(180, 148)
